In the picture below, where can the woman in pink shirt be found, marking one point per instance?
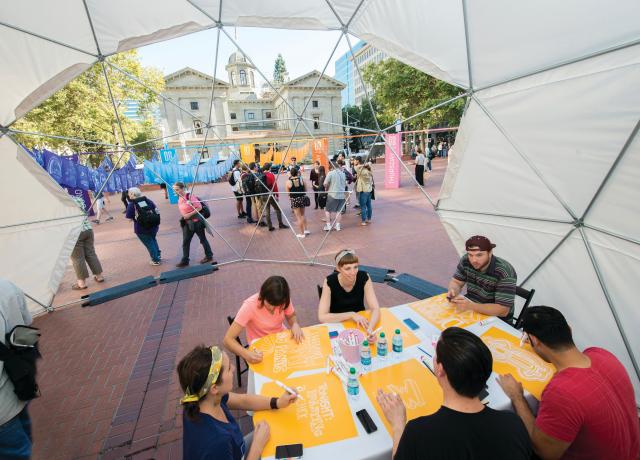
(262, 314)
(192, 223)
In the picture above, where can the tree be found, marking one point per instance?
(83, 109)
(359, 117)
(279, 70)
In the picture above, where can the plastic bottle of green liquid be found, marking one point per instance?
(353, 387)
(365, 356)
(382, 346)
(396, 345)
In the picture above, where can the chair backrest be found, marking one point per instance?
(319, 291)
(230, 320)
(527, 296)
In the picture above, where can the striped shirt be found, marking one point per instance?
(80, 202)
(497, 284)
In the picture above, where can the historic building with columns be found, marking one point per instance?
(242, 114)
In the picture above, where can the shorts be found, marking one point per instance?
(334, 204)
(239, 196)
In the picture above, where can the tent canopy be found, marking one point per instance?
(546, 162)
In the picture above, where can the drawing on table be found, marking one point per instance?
(410, 393)
(443, 314)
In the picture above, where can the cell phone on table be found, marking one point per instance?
(411, 323)
(289, 451)
(367, 423)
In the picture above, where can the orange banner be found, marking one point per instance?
(320, 152)
(443, 314)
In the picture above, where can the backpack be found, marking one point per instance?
(205, 211)
(19, 356)
(260, 183)
(248, 184)
(232, 178)
(348, 175)
(145, 216)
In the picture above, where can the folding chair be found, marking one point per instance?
(527, 296)
(239, 371)
(319, 291)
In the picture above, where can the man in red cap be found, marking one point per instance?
(490, 280)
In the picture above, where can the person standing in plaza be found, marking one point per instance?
(244, 181)
(299, 200)
(101, 208)
(146, 221)
(257, 187)
(273, 198)
(322, 196)
(420, 162)
(364, 188)
(313, 178)
(15, 423)
(84, 253)
(192, 223)
(335, 184)
(236, 184)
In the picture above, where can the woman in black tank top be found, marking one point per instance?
(345, 293)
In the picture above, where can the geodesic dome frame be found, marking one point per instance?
(546, 162)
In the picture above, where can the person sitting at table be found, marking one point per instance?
(588, 409)
(345, 291)
(463, 427)
(209, 429)
(490, 280)
(262, 314)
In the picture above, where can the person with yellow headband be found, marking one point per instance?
(345, 292)
(209, 429)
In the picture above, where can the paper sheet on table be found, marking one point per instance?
(389, 324)
(323, 416)
(282, 355)
(443, 314)
(412, 381)
(521, 362)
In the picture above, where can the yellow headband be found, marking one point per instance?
(214, 372)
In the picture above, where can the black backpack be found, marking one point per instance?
(205, 211)
(232, 177)
(260, 183)
(20, 362)
(248, 184)
(145, 216)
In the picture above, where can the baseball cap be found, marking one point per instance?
(480, 242)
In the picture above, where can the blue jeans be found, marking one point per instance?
(15, 437)
(151, 244)
(365, 206)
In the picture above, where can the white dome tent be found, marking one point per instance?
(546, 162)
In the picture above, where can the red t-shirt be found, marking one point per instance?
(271, 178)
(594, 409)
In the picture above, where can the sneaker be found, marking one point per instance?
(109, 218)
(271, 229)
(307, 232)
(326, 228)
(206, 260)
(357, 206)
(251, 221)
(300, 236)
(363, 224)
(182, 264)
(283, 226)
(338, 228)
(154, 262)
(96, 221)
(262, 224)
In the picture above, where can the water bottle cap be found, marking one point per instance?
(365, 343)
(352, 370)
(397, 331)
(382, 335)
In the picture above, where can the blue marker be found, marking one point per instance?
(423, 351)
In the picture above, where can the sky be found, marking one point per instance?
(303, 51)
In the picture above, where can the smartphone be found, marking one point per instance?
(289, 451)
(333, 334)
(366, 421)
(411, 323)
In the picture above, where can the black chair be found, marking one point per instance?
(319, 291)
(527, 296)
(239, 371)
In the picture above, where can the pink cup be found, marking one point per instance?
(351, 351)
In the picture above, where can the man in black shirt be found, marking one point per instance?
(463, 428)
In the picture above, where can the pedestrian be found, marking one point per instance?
(420, 162)
(84, 253)
(299, 200)
(313, 178)
(124, 197)
(348, 174)
(244, 175)
(335, 184)
(364, 187)
(322, 196)
(192, 223)
(146, 221)
(255, 184)
(272, 198)
(15, 423)
(101, 208)
(234, 180)
(432, 155)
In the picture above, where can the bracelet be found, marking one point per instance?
(274, 403)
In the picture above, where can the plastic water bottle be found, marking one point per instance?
(382, 346)
(365, 356)
(353, 387)
(396, 345)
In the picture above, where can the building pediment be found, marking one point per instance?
(191, 78)
(310, 79)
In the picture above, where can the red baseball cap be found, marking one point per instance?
(480, 242)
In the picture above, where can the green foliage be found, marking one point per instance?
(279, 70)
(83, 109)
(401, 90)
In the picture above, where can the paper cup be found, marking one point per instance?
(350, 341)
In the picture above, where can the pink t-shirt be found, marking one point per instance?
(259, 321)
(185, 208)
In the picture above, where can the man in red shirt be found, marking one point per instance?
(271, 200)
(588, 409)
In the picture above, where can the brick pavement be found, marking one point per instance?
(108, 375)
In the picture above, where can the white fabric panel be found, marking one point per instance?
(569, 283)
(617, 208)
(619, 263)
(572, 121)
(31, 69)
(426, 34)
(487, 174)
(121, 25)
(63, 20)
(34, 255)
(510, 40)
